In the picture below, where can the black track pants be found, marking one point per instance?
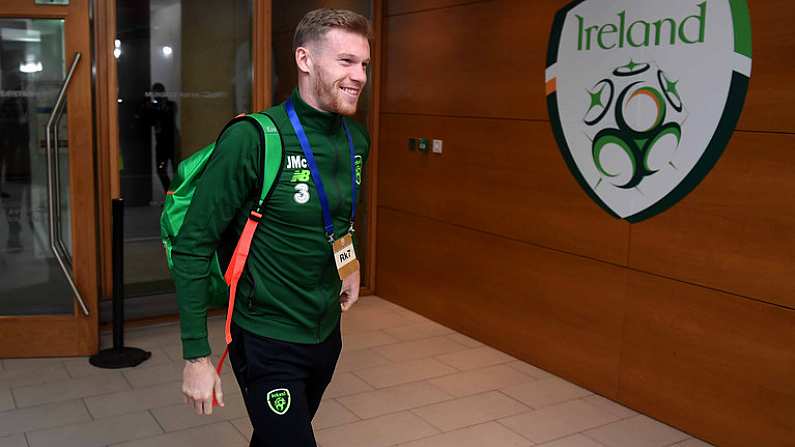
(282, 384)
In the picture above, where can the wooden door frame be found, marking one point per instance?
(374, 124)
(76, 334)
(107, 122)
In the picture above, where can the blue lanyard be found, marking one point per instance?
(328, 223)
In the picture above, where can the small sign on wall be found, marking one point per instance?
(52, 2)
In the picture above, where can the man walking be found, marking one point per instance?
(299, 275)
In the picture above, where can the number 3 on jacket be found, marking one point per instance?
(301, 193)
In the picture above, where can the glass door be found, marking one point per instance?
(48, 259)
(184, 70)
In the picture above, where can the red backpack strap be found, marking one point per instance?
(236, 266)
(232, 277)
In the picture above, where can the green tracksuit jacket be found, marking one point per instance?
(290, 288)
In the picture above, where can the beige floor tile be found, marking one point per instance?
(542, 393)
(229, 384)
(332, 414)
(345, 384)
(466, 341)
(69, 389)
(139, 399)
(217, 322)
(475, 358)
(531, 370)
(419, 331)
(357, 360)
(217, 340)
(372, 302)
(395, 384)
(480, 380)
(418, 349)
(692, 442)
(243, 425)
(215, 435)
(470, 410)
(6, 400)
(363, 340)
(490, 434)
(54, 372)
(180, 416)
(391, 375)
(610, 406)
(394, 399)
(379, 432)
(151, 337)
(577, 440)
(638, 431)
(412, 316)
(557, 421)
(155, 375)
(366, 320)
(173, 351)
(42, 417)
(11, 365)
(13, 441)
(97, 433)
(80, 367)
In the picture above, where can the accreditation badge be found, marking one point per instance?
(345, 256)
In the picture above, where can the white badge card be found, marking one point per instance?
(345, 256)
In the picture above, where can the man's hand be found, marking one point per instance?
(199, 383)
(349, 293)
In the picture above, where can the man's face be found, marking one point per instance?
(340, 61)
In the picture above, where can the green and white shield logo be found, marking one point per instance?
(643, 95)
(279, 400)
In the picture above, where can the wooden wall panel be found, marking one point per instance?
(287, 13)
(557, 311)
(696, 330)
(394, 7)
(736, 231)
(501, 177)
(770, 96)
(719, 365)
(481, 59)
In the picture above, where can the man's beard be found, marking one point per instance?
(330, 97)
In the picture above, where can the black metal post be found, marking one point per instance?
(118, 356)
(118, 274)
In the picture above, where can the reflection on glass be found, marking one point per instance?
(184, 70)
(32, 69)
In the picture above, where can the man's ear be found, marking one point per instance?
(303, 60)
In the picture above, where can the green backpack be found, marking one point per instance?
(180, 195)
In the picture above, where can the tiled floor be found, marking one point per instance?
(402, 380)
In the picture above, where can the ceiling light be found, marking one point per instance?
(31, 67)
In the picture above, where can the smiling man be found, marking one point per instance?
(301, 271)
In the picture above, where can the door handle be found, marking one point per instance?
(53, 185)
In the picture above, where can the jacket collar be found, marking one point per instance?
(314, 119)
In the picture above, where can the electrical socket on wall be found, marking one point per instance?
(437, 146)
